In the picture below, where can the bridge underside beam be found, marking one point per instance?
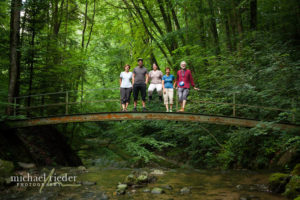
(118, 116)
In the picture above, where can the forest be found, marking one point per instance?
(241, 51)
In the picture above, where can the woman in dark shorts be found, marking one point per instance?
(125, 87)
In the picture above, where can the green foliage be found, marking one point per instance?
(293, 187)
(251, 148)
(278, 181)
(296, 170)
(259, 66)
(131, 137)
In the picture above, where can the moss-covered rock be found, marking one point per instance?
(296, 170)
(278, 181)
(292, 189)
(130, 180)
(157, 190)
(142, 179)
(185, 190)
(297, 198)
(6, 168)
(121, 189)
(2, 181)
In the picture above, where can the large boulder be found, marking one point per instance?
(292, 189)
(278, 181)
(6, 168)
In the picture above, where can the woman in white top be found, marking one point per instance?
(126, 87)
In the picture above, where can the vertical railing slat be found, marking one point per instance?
(233, 106)
(67, 102)
(15, 106)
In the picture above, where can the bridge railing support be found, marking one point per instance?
(293, 110)
(233, 104)
(15, 106)
(224, 99)
(67, 102)
(176, 94)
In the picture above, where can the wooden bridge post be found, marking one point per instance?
(67, 102)
(293, 107)
(233, 106)
(15, 105)
(176, 91)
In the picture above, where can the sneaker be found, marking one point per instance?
(167, 110)
(144, 109)
(170, 110)
(134, 109)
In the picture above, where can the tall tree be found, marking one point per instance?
(253, 14)
(14, 69)
(213, 25)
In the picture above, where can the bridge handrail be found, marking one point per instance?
(63, 92)
(67, 102)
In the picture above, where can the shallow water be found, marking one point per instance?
(204, 184)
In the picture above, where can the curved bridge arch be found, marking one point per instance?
(120, 116)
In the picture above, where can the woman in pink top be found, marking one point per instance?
(155, 76)
(184, 80)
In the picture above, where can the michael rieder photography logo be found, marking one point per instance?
(44, 180)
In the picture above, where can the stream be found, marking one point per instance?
(101, 183)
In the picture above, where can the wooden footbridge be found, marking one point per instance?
(92, 105)
(118, 116)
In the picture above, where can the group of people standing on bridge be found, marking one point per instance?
(137, 80)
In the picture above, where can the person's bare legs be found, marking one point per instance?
(144, 104)
(167, 107)
(135, 103)
(171, 106)
(183, 103)
(123, 106)
(126, 106)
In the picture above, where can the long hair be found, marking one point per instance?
(156, 65)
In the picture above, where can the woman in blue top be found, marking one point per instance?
(126, 86)
(168, 84)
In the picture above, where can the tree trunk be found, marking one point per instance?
(214, 27)
(228, 36)
(57, 17)
(32, 55)
(84, 25)
(147, 30)
(93, 21)
(66, 24)
(82, 48)
(167, 23)
(168, 45)
(175, 19)
(201, 23)
(253, 14)
(14, 69)
(238, 24)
